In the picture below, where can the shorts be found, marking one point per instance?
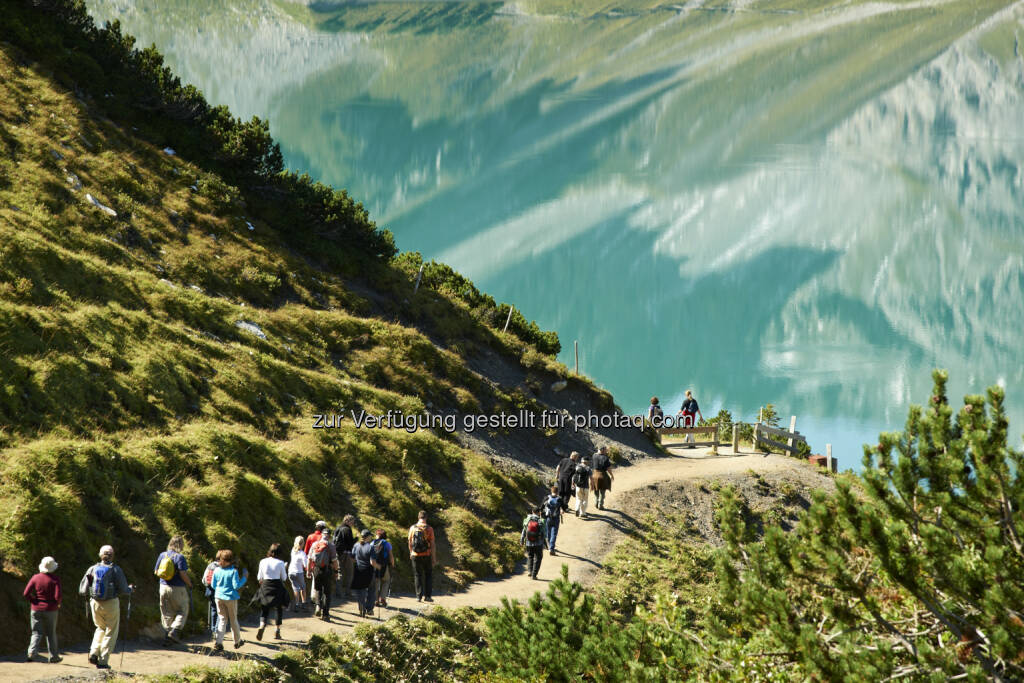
(298, 582)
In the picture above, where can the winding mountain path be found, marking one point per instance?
(581, 545)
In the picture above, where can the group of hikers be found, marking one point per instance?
(328, 565)
(320, 567)
(574, 476)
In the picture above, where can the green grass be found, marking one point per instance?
(133, 406)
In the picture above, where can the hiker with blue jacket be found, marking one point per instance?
(227, 579)
(552, 510)
(534, 538)
(104, 583)
(175, 589)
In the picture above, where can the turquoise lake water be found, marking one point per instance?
(807, 203)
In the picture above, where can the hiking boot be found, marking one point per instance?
(93, 659)
(239, 644)
(316, 612)
(383, 603)
(551, 552)
(428, 599)
(55, 659)
(259, 632)
(218, 647)
(175, 635)
(277, 634)
(30, 658)
(419, 598)
(102, 665)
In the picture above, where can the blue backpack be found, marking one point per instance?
(102, 586)
(551, 507)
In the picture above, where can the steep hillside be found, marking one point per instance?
(172, 320)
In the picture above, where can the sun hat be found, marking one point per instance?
(48, 565)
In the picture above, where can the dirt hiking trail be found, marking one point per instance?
(581, 544)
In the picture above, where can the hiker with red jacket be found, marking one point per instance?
(535, 538)
(421, 551)
(315, 536)
(43, 593)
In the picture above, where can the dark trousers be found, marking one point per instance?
(324, 585)
(265, 612)
(564, 491)
(424, 570)
(213, 617)
(534, 553)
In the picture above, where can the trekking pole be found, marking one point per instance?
(127, 618)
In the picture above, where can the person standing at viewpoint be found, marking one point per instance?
(44, 596)
(175, 584)
(687, 414)
(423, 555)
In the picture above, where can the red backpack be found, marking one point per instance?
(533, 530)
(318, 554)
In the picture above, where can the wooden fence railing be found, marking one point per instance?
(763, 434)
(711, 430)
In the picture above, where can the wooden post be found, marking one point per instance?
(714, 442)
(576, 350)
(792, 430)
(760, 415)
(509, 319)
(830, 464)
(736, 438)
(419, 276)
(757, 430)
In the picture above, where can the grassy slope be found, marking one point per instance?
(132, 406)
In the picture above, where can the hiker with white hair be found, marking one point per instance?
(104, 583)
(44, 595)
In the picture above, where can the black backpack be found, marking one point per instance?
(551, 507)
(581, 478)
(419, 541)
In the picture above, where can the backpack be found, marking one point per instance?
(581, 478)
(657, 412)
(551, 507)
(379, 551)
(208, 574)
(166, 569)
(98, 582)
(318, 555)
(419, 541)
(533, 530)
